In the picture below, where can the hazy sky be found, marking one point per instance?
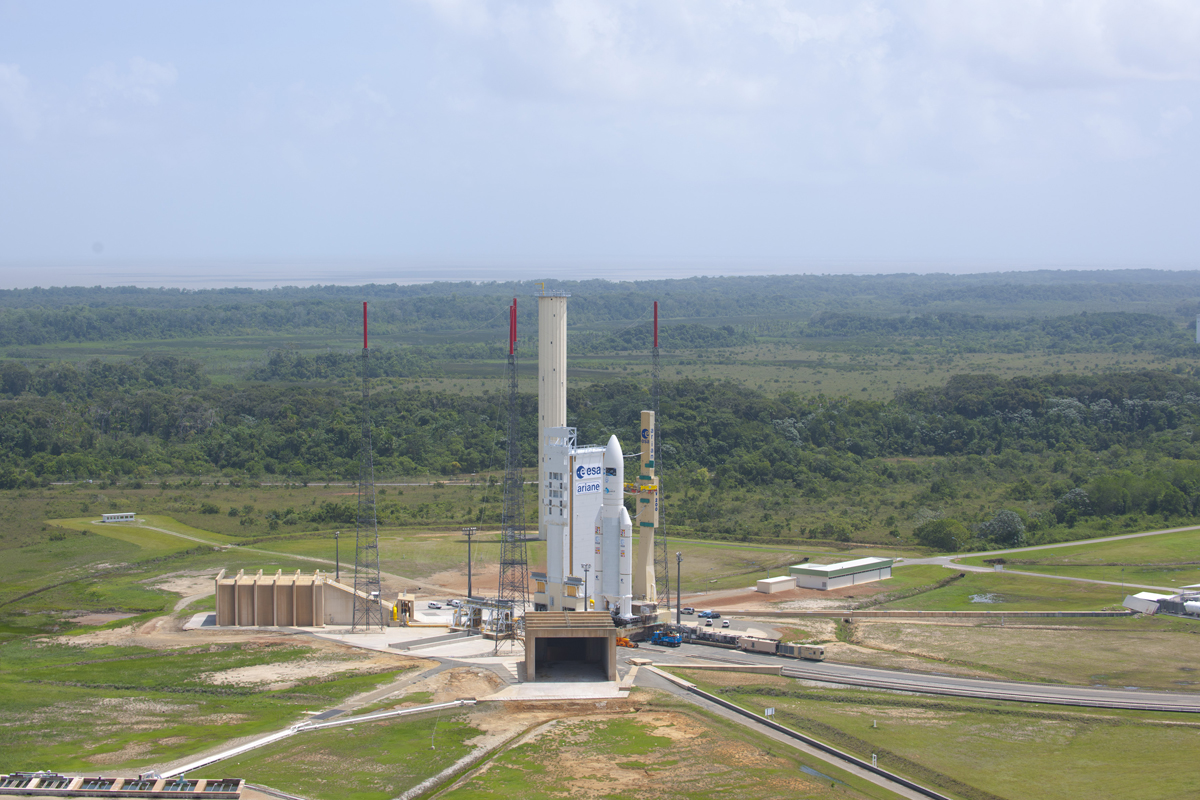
(1001, 132)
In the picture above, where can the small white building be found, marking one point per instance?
(122, 517)
(780, 584)
(845, 573)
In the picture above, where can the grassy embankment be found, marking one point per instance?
(367, 761)
(79, 708)
(669, 750)
(982, 750)
(1167, 560)
(1146, 652)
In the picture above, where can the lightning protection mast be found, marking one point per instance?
(368, 610)
(662, 564)
(514, 559)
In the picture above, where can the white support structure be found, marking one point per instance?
(552, 377)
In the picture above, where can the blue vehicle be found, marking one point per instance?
(704, 614)
(666, 639)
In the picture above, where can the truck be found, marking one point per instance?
(623, 641)
(666, 639)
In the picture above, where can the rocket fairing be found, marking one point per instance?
(614, 534)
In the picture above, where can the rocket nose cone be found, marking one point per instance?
(613, 448)
(612, 454)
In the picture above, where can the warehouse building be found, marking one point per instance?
(844, 573)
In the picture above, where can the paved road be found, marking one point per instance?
(935, 683)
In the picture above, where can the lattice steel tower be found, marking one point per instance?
(514, 559)
(368, 611)
(662, 566)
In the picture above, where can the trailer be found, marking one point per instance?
(755, 644)
(809, 652)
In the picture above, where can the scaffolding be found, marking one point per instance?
(492, 618)
(514, 558)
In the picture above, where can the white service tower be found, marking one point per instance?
(614, 535)
(552, 377)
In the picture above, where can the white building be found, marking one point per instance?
(126, 516)
(780, 584)
(845, 573)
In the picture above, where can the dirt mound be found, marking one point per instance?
(459, 683)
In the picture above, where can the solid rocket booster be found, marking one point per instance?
(614, 534)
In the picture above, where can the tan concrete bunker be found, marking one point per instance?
(294, 600)
(571, 639)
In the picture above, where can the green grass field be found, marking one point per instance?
(979, 750)
(78, 708)
(1150, 653)
(997, 591)
(1167, 560)
(365, 761)
(666, 751)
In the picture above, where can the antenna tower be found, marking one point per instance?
(514, 559)
(368, 611)
(662, 566)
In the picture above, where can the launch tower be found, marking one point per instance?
(514, 560)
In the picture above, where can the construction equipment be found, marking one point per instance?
(666, 639)
(624, 642)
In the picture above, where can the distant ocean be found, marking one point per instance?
(265, 274)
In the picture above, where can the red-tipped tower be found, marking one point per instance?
(365, 324)
(512, 327)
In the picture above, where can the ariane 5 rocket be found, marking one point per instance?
(614, 535)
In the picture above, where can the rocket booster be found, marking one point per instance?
(614, 534)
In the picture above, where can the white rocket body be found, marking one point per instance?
(614, 535)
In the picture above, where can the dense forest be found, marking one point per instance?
(990, 450)
(158, 417)
(843, 304)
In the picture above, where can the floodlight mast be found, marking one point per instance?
(368, 608)
(662, 564)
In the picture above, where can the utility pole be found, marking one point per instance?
(586, 605)
(678, 584)
(469, 532)
(337, 558)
